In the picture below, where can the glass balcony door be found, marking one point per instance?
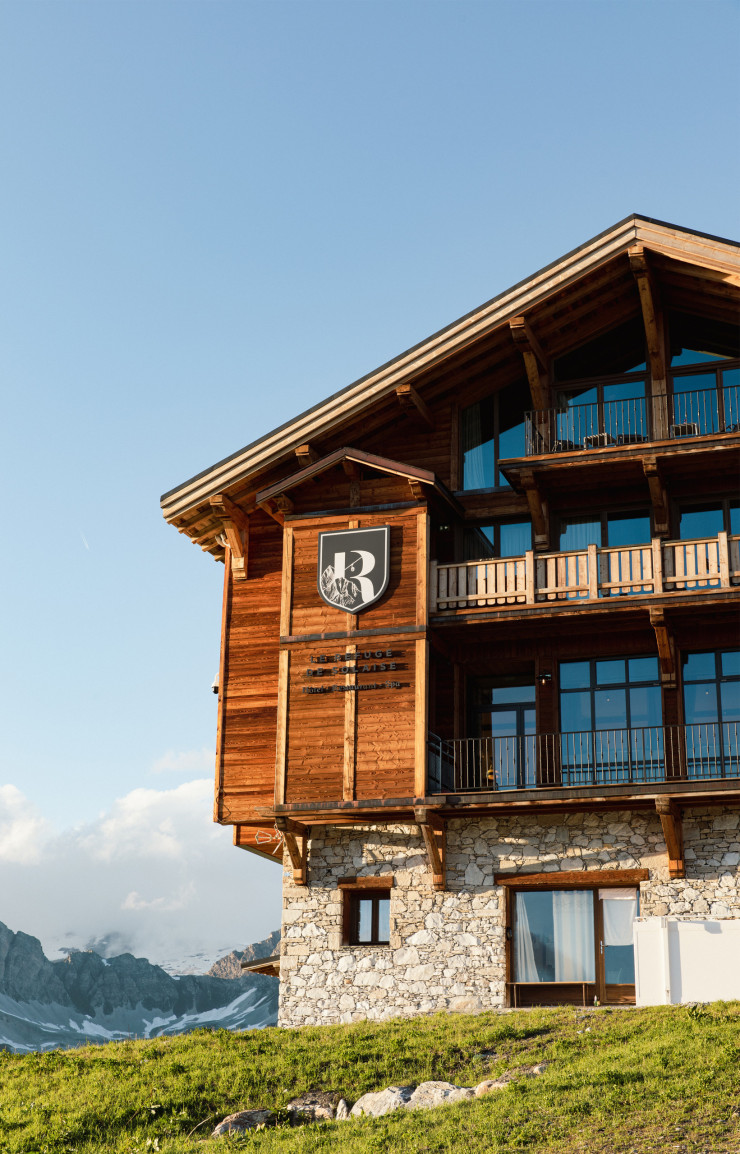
(505, 722)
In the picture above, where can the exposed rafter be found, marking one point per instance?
(306, 454)
(411, 403)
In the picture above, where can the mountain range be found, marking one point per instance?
(84, 997)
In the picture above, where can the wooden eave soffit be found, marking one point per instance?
(536, 361)
(433, 829)
(235, 533)
(672, 823)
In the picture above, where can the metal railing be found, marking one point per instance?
(651, 754)
(598, 425)
(703, 564)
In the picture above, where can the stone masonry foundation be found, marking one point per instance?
(447, 949)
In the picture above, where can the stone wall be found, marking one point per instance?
(447, 950)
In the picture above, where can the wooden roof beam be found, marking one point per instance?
(536, 362)
(652, 313)
(672, 823)
(411, 403)
(306, 454)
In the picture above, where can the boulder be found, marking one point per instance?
(315, 1106)
(489, 1086)
(243, 1121)
(431, 1094)
(342, 1113)
(374, 1105)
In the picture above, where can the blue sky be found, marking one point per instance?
(217, 212)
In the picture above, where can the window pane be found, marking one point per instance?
(534, 946)
(384, 919)
(730, 694)
(610, 709)
(700, 704)
(693, 357)
(511, 424)
(516, 538)
(477, 439)
(502, 695)
(624, 409)
(610, 673)
(695, 403)
(573, 935)
(731, 663)
(579, 532)
(701, 521)
(575, 712)
(735, 517)
(628, 529)
(643, 668)
(575, 674)
(691, 384)
(645, 707)
(364, 919)
(699, 667)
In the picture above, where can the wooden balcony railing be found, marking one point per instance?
(588, 574)
(653, 754)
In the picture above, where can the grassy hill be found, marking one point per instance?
(664, 1079)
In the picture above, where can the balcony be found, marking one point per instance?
(587, 576)
(633, 421)
(663, 754)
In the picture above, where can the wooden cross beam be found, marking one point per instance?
(536, 361)
(295, 837)
(666, 648)
(672, 823)
(236, 531)
(411, 403)
(434, 831)
(537, 510)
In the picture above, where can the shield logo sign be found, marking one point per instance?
(354, 566)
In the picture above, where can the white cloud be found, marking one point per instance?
(153, 876)
(187, 761)
(23, 831)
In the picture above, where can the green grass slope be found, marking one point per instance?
(664, 1079)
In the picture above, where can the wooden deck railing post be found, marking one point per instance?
(433, 578)
(724, 560)
(593, 573)
(657, 550)
(529, 577)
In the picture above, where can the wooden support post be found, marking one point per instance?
(434, 831)
(658, 496)
(350, 729)
(671, 821)
(236, 531)
(538, 512)
(655, 336)
(411, 403)
(421, 721)
(295, 836)
(223, 672)
(536, 362)
(666, 648)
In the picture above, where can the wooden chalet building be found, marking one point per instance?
(479, 690)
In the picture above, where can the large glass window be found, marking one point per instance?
(711, 692)
(618, 529)
(555, 936)
(708, 519)
(611, 720)
(492, 429)
(504, 719)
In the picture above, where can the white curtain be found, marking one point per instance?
(620, 911)
(573, 924)
(525, 965)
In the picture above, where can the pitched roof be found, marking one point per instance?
(717, 254)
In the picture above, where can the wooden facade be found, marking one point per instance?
(330, 718)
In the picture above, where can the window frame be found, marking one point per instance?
(354, 890)
(603, 516)
(494, 397)
(680, 506)
(703, 368)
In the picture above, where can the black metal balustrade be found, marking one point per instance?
(652, 754)
(690, 413)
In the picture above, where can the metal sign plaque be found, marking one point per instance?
(354, 567)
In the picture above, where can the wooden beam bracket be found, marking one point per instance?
(306, 454)
(658, 496)
(295, 836)
(538, 511)
(666, 648)
(433, 829)
(235, 533)
(672, 823)
(411, 403)
(536, 362)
